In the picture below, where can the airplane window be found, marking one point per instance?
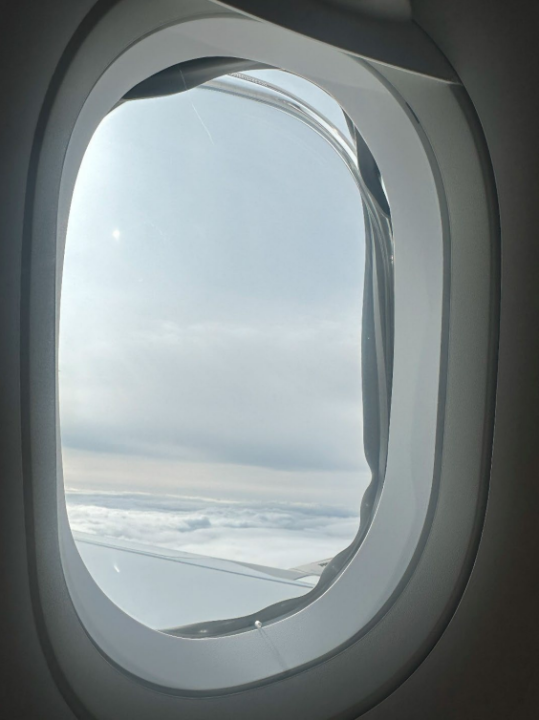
(210, 349)
(246, 301)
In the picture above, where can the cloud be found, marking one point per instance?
(276, 397)
(276, 534)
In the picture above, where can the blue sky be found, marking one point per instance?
(210, 321)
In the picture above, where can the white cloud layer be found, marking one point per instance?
(274, 534)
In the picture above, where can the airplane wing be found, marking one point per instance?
(165, 588)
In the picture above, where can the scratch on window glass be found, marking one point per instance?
(203, 123)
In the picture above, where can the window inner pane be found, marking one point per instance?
(209, 360)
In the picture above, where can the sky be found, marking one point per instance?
(210, 386)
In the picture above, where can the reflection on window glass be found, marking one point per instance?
(209, 363)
